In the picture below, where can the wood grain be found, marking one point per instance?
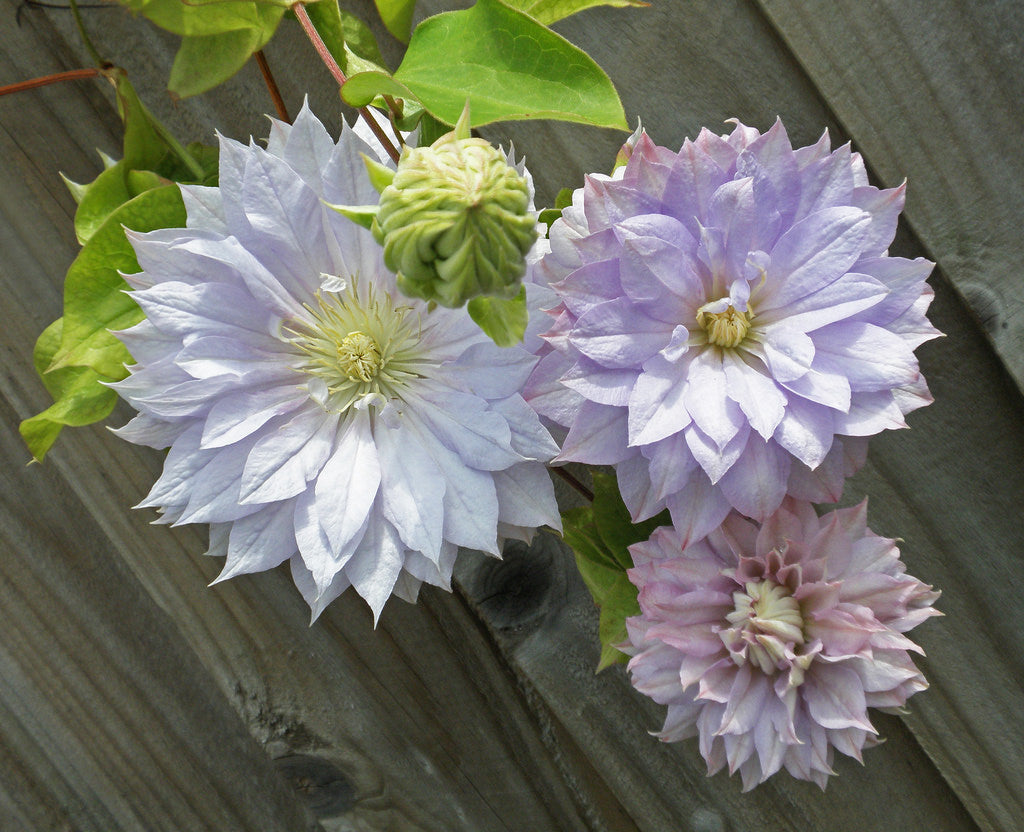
(108, 723)
(420, 717)
(480, 710)
(931, 91)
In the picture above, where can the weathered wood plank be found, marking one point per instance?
(931, 91)
(109, 722)
(379, 707)
(418, 721)
(951, 486)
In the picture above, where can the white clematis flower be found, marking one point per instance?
(312, 412)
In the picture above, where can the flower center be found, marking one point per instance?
(725, 329)
(767, 624)
(359, 356)
(356, 345)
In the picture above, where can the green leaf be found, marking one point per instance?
(600, 535)
(363, 215)
(217, 37)
(581, 535)
(562, 201)
(431, 130)
(360, 89)
(78, 190)
(548, 11)
(196, 19)
(144, 147)
(204, 61)
(78, 396)
(614, 525)
(397, 16)
(620, 602)
(503, 320)
(510, 67)
(347, 38)
(101, 198)
(94, 296)
(206, 156)
(548, 215)
(616, 597)
(144, 180)
(380, 175)
(148, 145)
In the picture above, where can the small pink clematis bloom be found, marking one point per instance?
(770, 643)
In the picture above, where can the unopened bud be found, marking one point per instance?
(455, 222)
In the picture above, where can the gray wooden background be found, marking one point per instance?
(133, 697)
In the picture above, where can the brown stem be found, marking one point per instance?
(57, 77)
(575, 483)
(339, 76)
(268, 79)
(394, 113)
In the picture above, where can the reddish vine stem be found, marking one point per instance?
(268, 79)
(339, 76)
(575, 483)
(57, 77)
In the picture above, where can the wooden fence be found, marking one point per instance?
(133, 697)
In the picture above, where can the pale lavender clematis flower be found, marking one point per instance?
(770, 643)
(312, 412)
(730, 326)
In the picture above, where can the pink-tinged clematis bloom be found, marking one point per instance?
(770, 643)
(730, 326)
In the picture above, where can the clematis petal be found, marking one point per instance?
(771, 651)
(313, 413)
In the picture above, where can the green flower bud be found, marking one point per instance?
(455, 221)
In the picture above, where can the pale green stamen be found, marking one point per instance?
(359, 356)
(358, 345)
(725, 329)
(770, 616)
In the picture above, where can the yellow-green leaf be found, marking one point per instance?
(94, 291)
(204, 61)
(509, 66)
(548, 11)
(78, 396)
(397, 16)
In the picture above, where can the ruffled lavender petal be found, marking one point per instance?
(737, 288)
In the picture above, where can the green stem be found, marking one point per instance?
(575, 483)
(339, 76)
(89, 47)
(176, 147)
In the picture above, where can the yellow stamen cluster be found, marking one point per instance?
(359, 356)
(357, 344)
(725, 329)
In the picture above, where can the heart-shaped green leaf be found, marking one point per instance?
(600, 535)
(548, 11)
(78, 396)
(397, 16)
(509, 66)
(94, 291)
